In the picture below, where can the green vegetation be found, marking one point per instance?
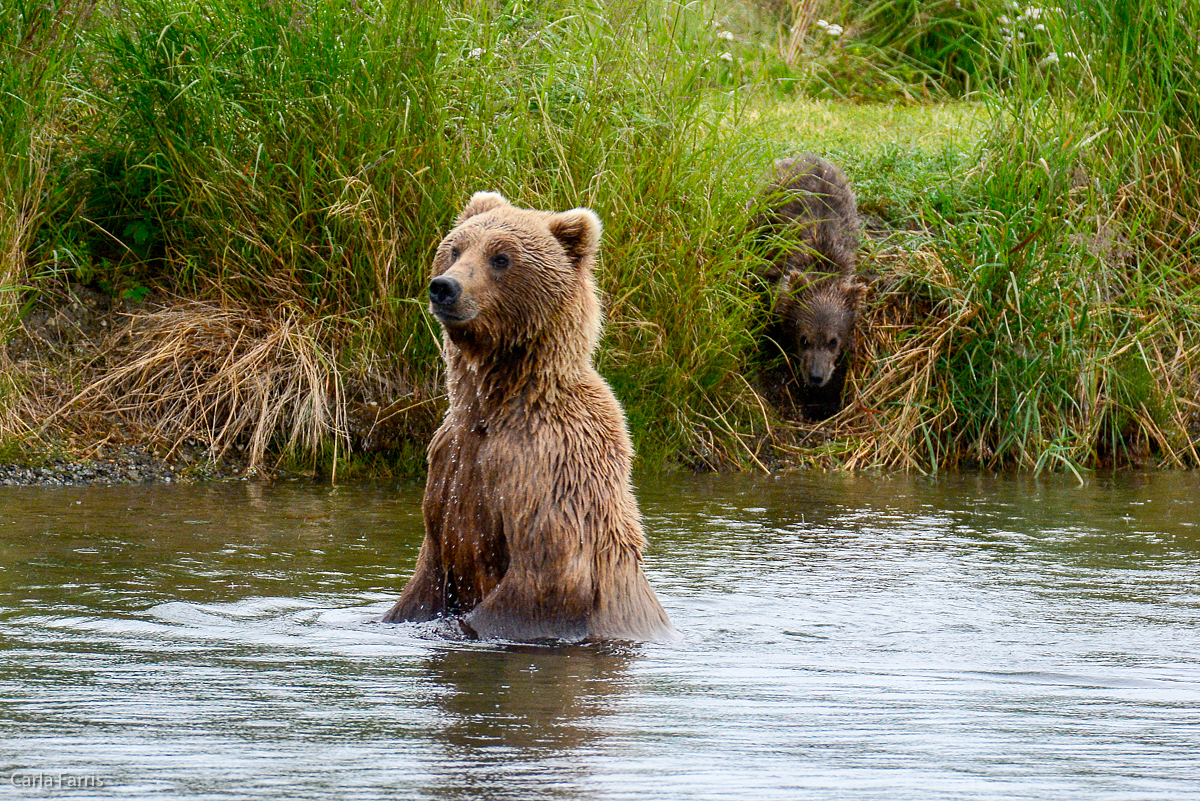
(1060, 297)
(260, 187)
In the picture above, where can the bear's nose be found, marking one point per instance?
(816, 378)
(444, 290)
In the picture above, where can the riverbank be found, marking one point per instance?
(120, 465)
(159, 389)
(64, 434)
(255, 193)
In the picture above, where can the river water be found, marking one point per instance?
(844, 637)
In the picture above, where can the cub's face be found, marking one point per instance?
(503, 274)
(822, 336)
(821, 315)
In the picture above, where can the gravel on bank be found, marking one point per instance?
(124, 465)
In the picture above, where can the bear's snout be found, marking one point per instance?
(821, 366)
(444, 291)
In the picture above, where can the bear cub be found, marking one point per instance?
(532, 530)
(812, 228)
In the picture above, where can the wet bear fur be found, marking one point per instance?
(812, 231)
(532, 530)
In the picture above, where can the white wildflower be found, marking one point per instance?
(822, 23)
(1069, 54)
(1051, 58)
(726, 35)
(476, 53)
(726, 56)
(1032, 13)
(1039, 27)
(835, 30)
(1003, 20)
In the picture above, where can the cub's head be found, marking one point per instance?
(506, 277)
(820, 312)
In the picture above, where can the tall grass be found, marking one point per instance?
(37, 46)
(893, 50)
(1048, 317)
(289, 167)
(37, 43)
(309, 156)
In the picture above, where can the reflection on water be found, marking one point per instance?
(511, 710)
(844, 637)
(525, 697)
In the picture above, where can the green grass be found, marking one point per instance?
(1078, 240)
(37, 42)
(1045, 302)
(901, 157)
(310, 156)
(1035, 304)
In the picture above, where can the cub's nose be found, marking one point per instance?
(443, 291)
(817, 378)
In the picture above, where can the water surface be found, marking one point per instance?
(844, 637)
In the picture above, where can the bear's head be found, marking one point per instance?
(819, 310)
(508, 279)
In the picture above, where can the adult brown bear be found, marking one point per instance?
(531, 527)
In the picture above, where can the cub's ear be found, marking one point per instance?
(857, 290)
(793, 281)
(479, 203)
(578, 231)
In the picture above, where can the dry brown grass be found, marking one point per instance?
(803, 15)
(19, 216)
(1170, 418)
(223, 375)
(258, 385)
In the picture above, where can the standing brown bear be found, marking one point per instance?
(814, 229)
(531, 527)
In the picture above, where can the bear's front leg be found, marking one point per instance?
(422, 598)
(526, 607)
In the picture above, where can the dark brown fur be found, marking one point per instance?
(814, 295)
(531, 527)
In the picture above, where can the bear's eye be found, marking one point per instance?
(454, 254)
(500, 261)
(833, 344)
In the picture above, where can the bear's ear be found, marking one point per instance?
(578, 231)
(857, 290)
(479, 203)
(794, 281)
